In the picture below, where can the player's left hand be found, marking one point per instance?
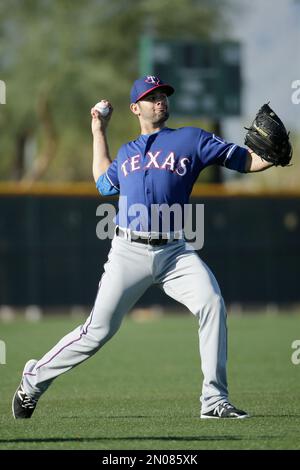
(268, 137)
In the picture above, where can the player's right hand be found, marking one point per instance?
(99, 122)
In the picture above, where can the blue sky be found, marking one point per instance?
(270, 34)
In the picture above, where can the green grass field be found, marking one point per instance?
(141, 391)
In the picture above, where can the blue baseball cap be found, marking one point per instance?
(144, 86)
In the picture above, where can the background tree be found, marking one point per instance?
(58, 57)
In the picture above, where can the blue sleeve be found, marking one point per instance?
(108, 183)
(214, 150)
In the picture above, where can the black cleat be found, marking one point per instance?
(225, 410)
(22, 404)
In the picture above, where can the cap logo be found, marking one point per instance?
(153, 80)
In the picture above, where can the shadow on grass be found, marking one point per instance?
(266, 416)
(132, 438)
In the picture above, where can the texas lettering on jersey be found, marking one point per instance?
(161, 168)
(155, 160)
(184, 152)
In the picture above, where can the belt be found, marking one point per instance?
(145, 240)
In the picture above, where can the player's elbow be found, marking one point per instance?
(97, 173)
(105, 187)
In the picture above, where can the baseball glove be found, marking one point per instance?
(268, 138)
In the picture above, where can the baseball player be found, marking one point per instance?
(158, 167)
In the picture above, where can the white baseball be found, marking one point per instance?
(102, 108)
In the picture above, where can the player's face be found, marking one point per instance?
(154, 107)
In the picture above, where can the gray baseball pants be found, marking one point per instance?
(132, 268)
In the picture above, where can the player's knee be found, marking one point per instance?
(97, 337)
(216, 303)
(213, 304)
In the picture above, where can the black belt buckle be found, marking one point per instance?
(145, 240)
(158, 241)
